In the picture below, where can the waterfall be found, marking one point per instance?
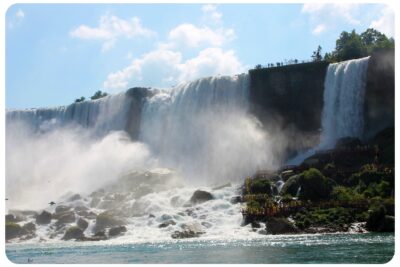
(203, 128)
(101, 115)
(343, 112)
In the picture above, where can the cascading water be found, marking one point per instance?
(102, 115)
(202, 130)
(343, 111)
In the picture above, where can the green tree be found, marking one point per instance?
(98, 94)
(80, 99)
(316, 56)
(350, 46)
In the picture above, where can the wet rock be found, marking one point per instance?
(87, 214)
(43, 218)
(101, 233)
(105, 220)
(97, 194)
(152, 216)
(117, 230)
(82, 224)
(95, 201)
(67, 217)
(236, 199)
(262, 232)
(185, 234)
(81, 208)
(73, 232)
(61, 209)
(29, 228)
(166, 223)
(13, 230)
(74, 197)
(278, 226)
(255, 224)
(165, 217)
(200, 196)
(12, 218)
(106, 204)
(206, 224)
(348, 142)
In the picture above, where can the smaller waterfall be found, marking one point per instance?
(343, 112)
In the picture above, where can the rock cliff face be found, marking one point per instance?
(293, 96)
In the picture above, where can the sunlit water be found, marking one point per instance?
(328, 248)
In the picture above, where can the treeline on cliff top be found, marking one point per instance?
(349, 45)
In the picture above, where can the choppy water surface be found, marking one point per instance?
(329, 248)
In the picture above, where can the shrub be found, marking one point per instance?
(261, 186)
(314, 185)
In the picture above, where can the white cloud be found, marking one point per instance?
(16, 19)
(324, 16)
(161, 67)
(20, 14)
(110, 29)
(328, 11)
(211, 14)
(170, 63)
(210, 61)
(192, 36)
(319, 29)
(385, 23)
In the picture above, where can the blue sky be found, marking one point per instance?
(57, 53)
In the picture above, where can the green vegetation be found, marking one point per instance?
(332, 195)
(351, 45)
(98, 94)
(12, 230)
(314, 185)
(80, 99)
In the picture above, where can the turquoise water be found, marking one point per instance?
(329, 248)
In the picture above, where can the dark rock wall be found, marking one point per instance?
(292, 94)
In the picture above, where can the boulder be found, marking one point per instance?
(74, 197)
(87, 214)
(117, 230)
(184, 234)
(29, 228)
(13, 230)
(12, 218)
(236, 199)
(166, 223)
(277, 226)
(43, 218)
(82, 224)
(73, 232)
(67, 217)
(200, 196)
(97, 194)
(105, 220)
(81, 208)
(61, 209)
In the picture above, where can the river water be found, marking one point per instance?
(321, 248)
